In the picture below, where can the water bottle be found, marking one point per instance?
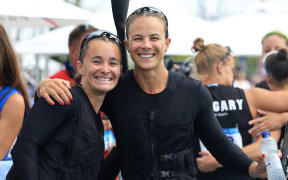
(106, 141)
(111, 139)
(272, 161)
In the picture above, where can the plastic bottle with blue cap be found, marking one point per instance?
(269, 148)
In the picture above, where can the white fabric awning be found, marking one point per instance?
(41, 13)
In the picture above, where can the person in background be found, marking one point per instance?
(75, 38)
(109, 138)
(240, 80)
(66, 142)
(276, 66)
(233, 107)
(14, 101)
(271, 41)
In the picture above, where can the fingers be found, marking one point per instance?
(255, 131)
(262, 112)
(203, 153)
(66, 83)
(64, 93)
(55, 88)
(258, 127)
(256, 121)
(48, 99)
(279, 154)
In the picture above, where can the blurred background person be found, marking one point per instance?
(271, 41)
(14, 101)
(233, 107)
(240, 80)
(276, 66)
(74, 42)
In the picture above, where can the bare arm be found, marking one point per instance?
(269, 121)
(275, 101)
(11, 122)
(56, 88)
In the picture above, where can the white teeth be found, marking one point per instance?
(146, 55)
(103, 78)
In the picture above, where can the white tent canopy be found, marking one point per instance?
(181, 32)
(41, 13)
(243, 32)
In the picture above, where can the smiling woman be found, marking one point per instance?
(156, 113)
(77, 126)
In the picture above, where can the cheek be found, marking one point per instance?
(117, 71)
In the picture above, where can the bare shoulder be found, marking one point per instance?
(14, 103)
(16, 99)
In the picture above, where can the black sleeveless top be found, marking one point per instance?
(231, 110)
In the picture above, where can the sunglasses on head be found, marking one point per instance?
(98, 34)
(150, 9)
(229, 52)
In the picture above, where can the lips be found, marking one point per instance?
(101, 78)
(146, 55)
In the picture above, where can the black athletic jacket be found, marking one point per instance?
(60, 142)
(158, 144)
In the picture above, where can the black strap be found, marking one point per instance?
(167, 174)
(173, 156)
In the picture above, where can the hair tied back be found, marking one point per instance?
(282, 55)
(198, 45)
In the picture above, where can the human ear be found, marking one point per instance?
(167, 42)
(219, 67)
(127, 45)
(79, 67)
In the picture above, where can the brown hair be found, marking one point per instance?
(78, 33)
(10, 74)
(85, 47)
(207, 56)
(147, 11)
(276, 65)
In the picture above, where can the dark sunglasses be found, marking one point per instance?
(150, 9)
(98, 34)
(229, 52)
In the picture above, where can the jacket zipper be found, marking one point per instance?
(153, 144)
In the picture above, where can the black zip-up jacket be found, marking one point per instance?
(60, 142)
(157, 144)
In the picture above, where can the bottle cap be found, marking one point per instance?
(265, 134)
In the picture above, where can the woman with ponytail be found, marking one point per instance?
(233, 107)
(276, 66)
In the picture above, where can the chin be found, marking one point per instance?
(104, 88)
(146, 66)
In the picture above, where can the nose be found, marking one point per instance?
(105, 68)
(146, 44)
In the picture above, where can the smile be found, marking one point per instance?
(146, 55)
(104, 78)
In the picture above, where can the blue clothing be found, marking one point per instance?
(5, 93)
(6, 163)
